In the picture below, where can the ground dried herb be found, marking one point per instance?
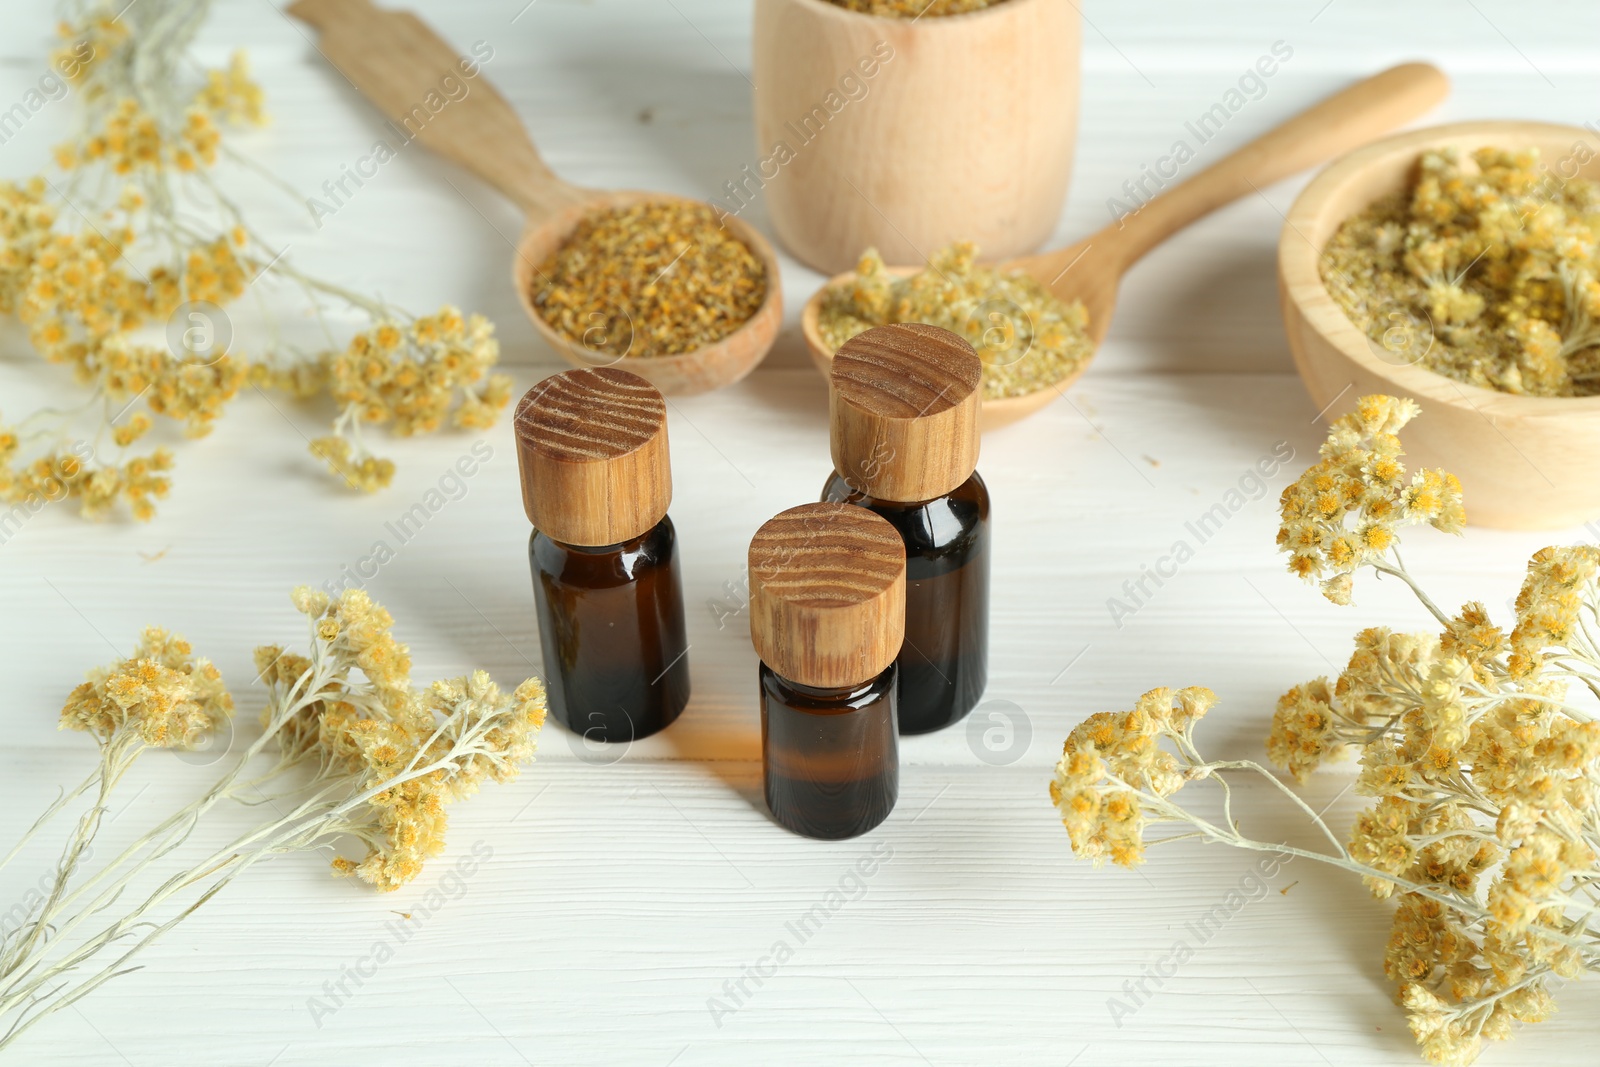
(1028, 340)
(1484, 271)
(650, 279)
(911, 9)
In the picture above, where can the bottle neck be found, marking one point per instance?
(631, 544)
(859, 494)
(826, 693)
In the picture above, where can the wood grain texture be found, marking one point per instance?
(620, 899)
(592, 449)
(413, 76)
(903, 411)
(827, 594)
(905, 135)
(1524, 462)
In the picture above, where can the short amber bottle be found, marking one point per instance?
(904, 411)
(827, 615)
(596, 482)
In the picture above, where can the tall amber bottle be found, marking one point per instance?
(904, 412)
(596, 482)
(827, 614)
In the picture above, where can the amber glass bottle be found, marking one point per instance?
(904, 412)
(592, 447)
(827, 613)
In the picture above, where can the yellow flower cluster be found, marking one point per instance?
(404, 753)
(233, 94)
(361, 754)
(1485, 822)
(86, 46)
(132, 140)
(161, 694)
(1344, 511)
(129, 255)
(362, 471)
(410, 376)
(1493, 259)
(1474, 762)
(1110, 758)
(64, 475)
(1559, 584)
(1446, 1034)
(80, 300)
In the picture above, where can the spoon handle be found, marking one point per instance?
(1343, 121)
(423, 87)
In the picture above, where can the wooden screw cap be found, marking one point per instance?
(827, 594)
(904, 409)
(592, 448)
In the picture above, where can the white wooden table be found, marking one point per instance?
(622, 898)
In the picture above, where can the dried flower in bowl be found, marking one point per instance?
(657, 278)
(1484, 270)
(1028, 340)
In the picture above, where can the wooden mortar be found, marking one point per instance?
(964, 131)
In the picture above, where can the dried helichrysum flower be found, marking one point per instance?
(365, 472)
(1485, 271)
(1559, 582)
(402, 752)
(1316, 723)
(655, 278)
(1485, 825)
(468, 730)
(1110, 758)
(1303, 729)
(1027, 339)
(161, 694)
(97, 487)
(232, 94)
(88, 278)
(1343, 512)
(409, 377)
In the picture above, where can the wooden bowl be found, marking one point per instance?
(963, 130)
(991, 416)
(1524, 462)
(684, 374)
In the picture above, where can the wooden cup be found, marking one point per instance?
(906, 135)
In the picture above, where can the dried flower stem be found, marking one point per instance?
(383, 759)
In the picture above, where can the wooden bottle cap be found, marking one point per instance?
(592, 448)
(904, 410)
(827, 594)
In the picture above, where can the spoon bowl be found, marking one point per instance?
(685, 373)
(396, 61)
(1525, 462)
(1090, 270)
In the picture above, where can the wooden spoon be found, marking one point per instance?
(1091, 269)
(398, 63)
